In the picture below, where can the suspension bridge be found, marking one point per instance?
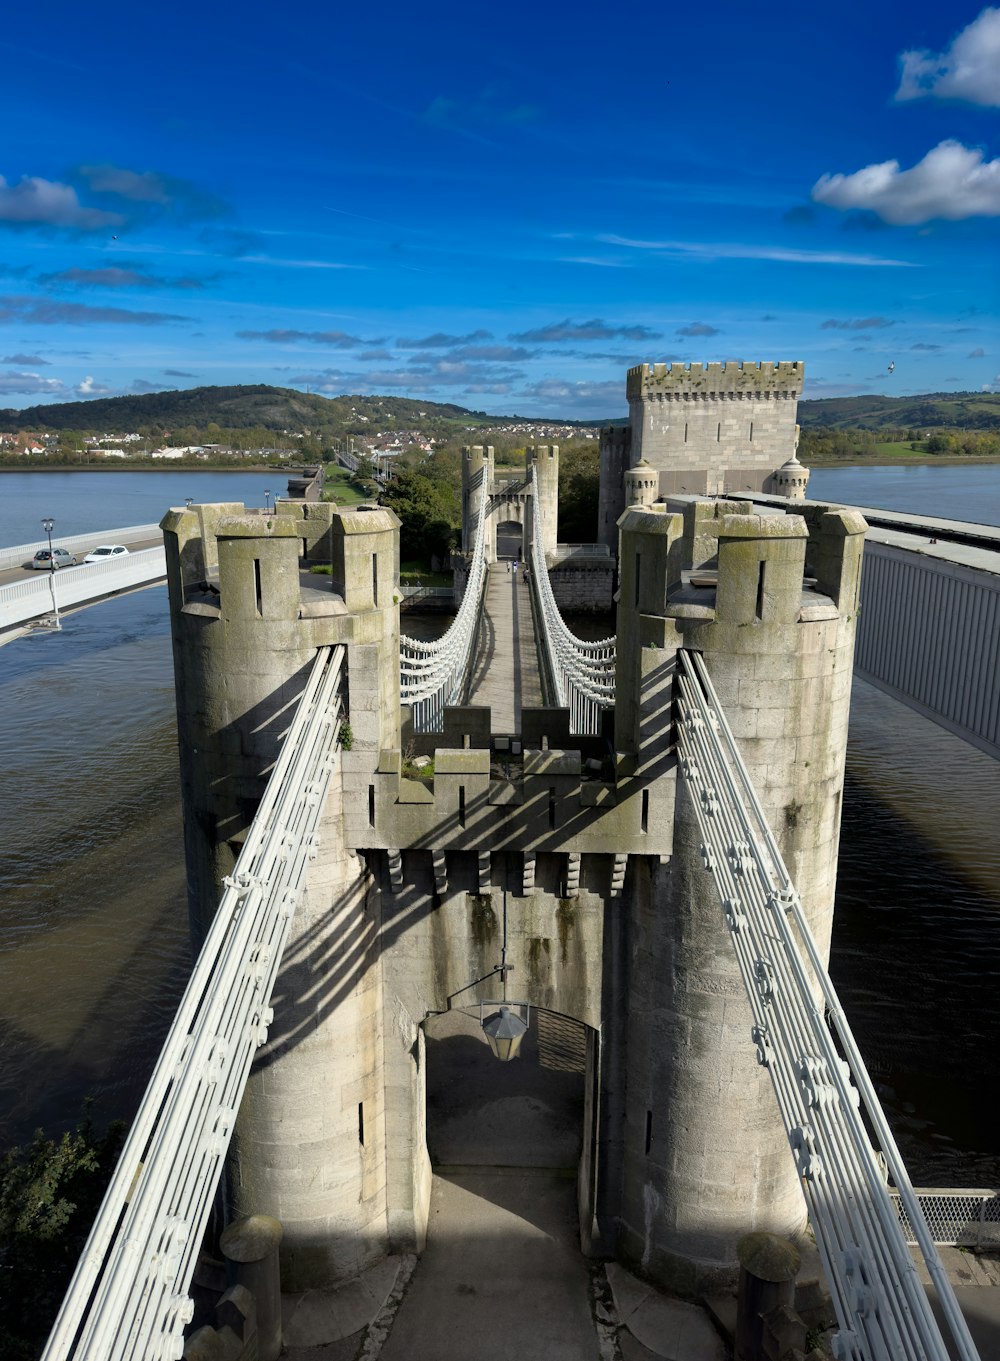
(675, 741)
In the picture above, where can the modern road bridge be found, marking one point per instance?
(130, 1294)
(28, 596)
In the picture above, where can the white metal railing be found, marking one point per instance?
(41, 592)
(882, 1309)
(77, 543)
(128, 1300)
(565, 551)
(434, 674)
(582, 674)
(964, 1217)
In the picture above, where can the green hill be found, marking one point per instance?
(259, 406)
(243, 407)
(932, 411)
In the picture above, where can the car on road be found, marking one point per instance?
(59, 557)
(104, 551)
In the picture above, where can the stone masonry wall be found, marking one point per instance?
(719, 420)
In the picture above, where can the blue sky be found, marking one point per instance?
(499, 206)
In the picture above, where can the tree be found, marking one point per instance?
(50, 1192)
(579, 492)
(429, 511)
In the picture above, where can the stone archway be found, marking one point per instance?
(509, 540)
(526, 1113)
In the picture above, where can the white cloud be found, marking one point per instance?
(32, 383)
(88, 388)
(969, 69)
(35, 202)
(952, 181)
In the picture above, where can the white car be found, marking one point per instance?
(104, 551)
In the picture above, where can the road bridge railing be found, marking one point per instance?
(579, 674)
(20, 554)
(822, 1086)
(40, 592)
(129, 1296)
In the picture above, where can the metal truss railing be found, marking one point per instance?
(432, 675)
(128, 1300)
(582, 674)
(965, 1217)
(823, 1090)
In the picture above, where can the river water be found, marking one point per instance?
(93, 928)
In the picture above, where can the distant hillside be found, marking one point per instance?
(259, 406)
(238, 408)
(934, 410)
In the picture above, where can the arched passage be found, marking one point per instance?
(510, 540)
(525, 1113)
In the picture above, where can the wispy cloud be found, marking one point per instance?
(32, 359)
(600, 398)
(40, 312)
(179, 373)
(978, 353)
(339, 340)
(152, 191)
(441, 340)
(123, 276)
(857, 324)
(30, 384)
(952, 182)
(969, 69)
(924, 345)
(698, 328)
(595, 329)
(722, 250)
(280, 262)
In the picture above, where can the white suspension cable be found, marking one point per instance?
(128, 1299)
(881, 1306)
(432, 675)
(582, 673)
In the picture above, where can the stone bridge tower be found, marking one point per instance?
(581, 854)
(707, 429)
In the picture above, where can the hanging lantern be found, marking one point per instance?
(504, 1029)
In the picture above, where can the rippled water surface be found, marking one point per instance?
(93, 927)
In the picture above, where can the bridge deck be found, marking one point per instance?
(505, 675)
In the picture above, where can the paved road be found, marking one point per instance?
(23, 572)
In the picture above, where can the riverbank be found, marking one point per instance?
(882, 460)
(152, 468)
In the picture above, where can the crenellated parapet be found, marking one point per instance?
(732, 380)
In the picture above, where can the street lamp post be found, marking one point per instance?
(48, 524)
(267, 500)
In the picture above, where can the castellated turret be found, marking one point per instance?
(706, 1157)
(707, 429)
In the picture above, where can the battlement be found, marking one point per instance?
(616, 439)
(732, 378)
